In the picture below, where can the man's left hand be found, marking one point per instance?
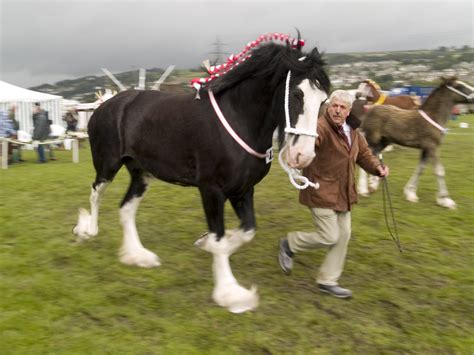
(383, 171)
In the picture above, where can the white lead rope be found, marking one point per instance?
(295, 174)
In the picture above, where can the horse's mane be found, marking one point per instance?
(271, 62)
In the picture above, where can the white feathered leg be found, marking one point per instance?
(88, 224)
(362, 185)
(442, 197)
(132, 251)
(412, 184)
(373, 183)
(227, 291)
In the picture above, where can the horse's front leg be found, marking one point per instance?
(227, 291)
(412, 184)
(442, 198)
(243, 207)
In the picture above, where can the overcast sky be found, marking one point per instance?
(47, 41)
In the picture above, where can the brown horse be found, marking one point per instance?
(370, 90)
(422, 129)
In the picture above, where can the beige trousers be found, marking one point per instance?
(333, 230)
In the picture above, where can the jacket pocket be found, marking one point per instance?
(328, 191)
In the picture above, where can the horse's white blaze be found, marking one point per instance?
(227, 291)
(87, 224)
(132, 251)
(302, 153)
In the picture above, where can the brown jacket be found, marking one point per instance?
(334, 168)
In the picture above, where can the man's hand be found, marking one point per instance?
(383, 171)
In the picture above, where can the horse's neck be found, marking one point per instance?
(253, 102)
(439, 106)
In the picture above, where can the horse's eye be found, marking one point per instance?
(299, 95)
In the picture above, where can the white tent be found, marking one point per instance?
(24, 100)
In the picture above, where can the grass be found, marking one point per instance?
(58, 296)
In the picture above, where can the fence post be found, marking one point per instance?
(4, 154)
(75, 151)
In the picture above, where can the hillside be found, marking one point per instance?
(416, 67)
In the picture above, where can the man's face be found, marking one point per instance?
(338, 111)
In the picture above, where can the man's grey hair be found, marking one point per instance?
(342, 95)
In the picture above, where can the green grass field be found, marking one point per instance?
(62, 297)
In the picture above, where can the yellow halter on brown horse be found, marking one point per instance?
(372, 92)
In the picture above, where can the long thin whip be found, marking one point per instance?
(385, 192)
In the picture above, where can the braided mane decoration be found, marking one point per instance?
(234, 60)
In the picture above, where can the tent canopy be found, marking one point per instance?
(24, 99)
(12, 93)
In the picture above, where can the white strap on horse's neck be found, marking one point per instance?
(469, 97)
(268, 156)
(295, 174)
(288, 128)
(430, 120)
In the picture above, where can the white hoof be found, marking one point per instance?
(236, 298)
(446, 202)
(83, 230)
(411, 196)
(388, 148)
(140, 257)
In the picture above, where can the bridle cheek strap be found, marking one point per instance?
(288, 128)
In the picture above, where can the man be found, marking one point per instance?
(7, 130)
(41, 129)
(16, 148)
(339, 148)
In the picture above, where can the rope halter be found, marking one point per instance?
(469, 97)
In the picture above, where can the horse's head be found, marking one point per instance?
(461, 92)
(305, 88)
(369, 90)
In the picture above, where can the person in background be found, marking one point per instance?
(71, 120)
(6, 131)
(339, 147)
(41, 129)
(16, 148)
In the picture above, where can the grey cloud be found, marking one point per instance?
(46, 41)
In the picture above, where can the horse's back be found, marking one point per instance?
(391, 123)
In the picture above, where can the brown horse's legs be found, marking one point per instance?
(442, 197)
(412, 184)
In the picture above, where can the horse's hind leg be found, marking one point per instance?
(442, 197)
(362, 184)
(87, 225)
(412, 184)
(133, 252)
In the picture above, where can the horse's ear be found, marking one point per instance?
(299, 45)
(315, 53)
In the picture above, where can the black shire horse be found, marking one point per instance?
(179, 139)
